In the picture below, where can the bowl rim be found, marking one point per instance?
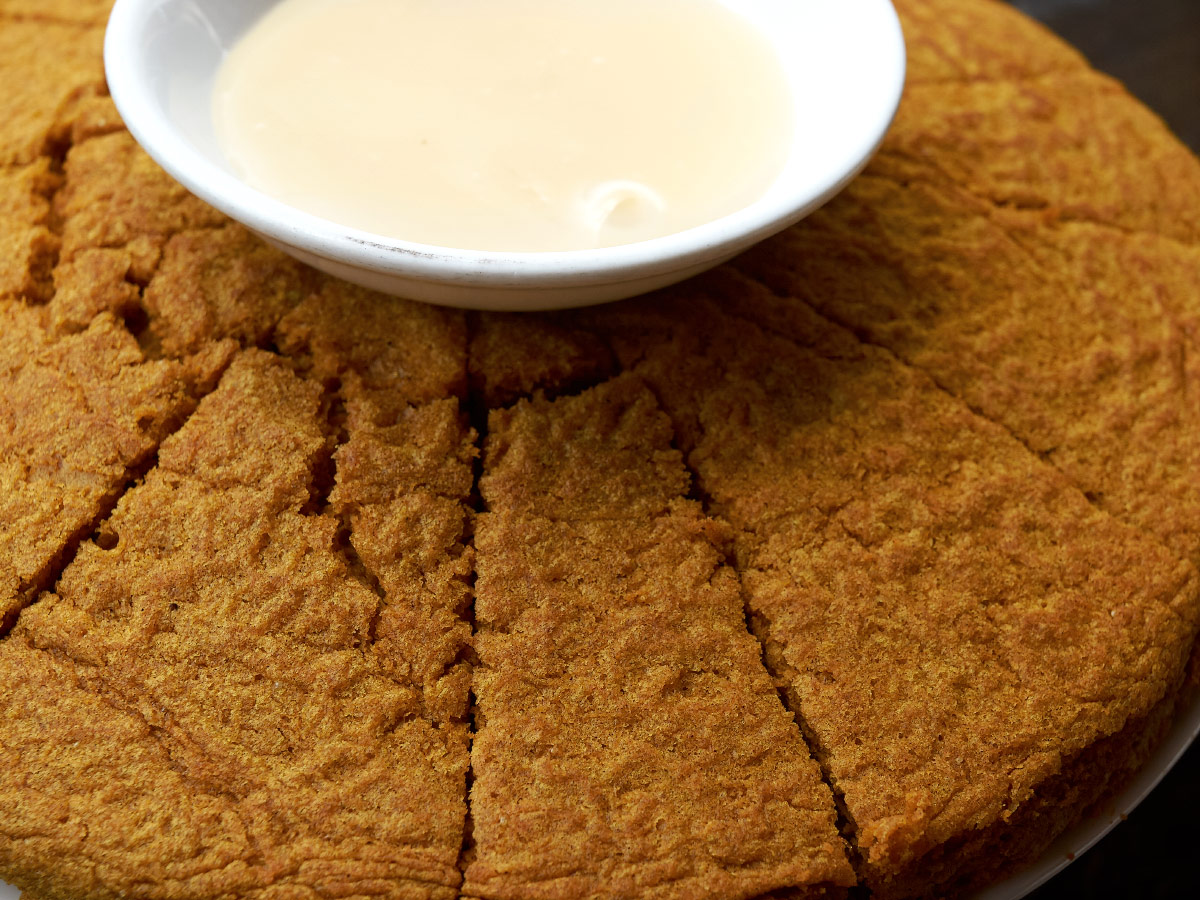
(153, 129)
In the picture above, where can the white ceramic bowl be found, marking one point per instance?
(844, 59)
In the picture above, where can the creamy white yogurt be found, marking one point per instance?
(515, 125)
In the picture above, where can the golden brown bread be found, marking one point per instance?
(76, 12)
(628, 739)
(115, 196)
(27, 254)
(950, 618)
(25, 191)
(513, 356)
(94, 282)
(1074, 326)
(978, 41)
(220, 281)
(81, 415)
(51, 73)
(404, 471)
(282, 728)
(941, 436)
(396, 352)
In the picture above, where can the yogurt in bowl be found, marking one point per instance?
(783, 101)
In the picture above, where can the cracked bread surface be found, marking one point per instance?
(94, 282)
(404, 471)
(394, 352)
(50, 74)
(628, 739)
(115, 196)
(27, 254)
(213, 607)
(513, 355)
(950, 617)
(1024, 244)
(25, 191)
(80, 415)
(1073, 321)
(221, 281)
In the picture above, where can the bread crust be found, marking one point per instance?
(922, 466)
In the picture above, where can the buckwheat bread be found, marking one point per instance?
(629, 741)
(949, 616)
(868, 558)
(283, 731)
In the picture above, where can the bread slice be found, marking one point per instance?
(628, 739)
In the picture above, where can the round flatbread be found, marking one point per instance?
(867, 559)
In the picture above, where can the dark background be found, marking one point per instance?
(1154, 47)
(1151, 45)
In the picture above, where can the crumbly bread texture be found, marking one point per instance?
(27, 254)
(628, 739)
(279, 738)
(94, 282)
(941, 442)
(115, 196)
(404, 471)
(951, 618)
(514, 355)
(50, 74)
(28, 249)
(221, 281)
(80, 416)
(75, 12)
(392, 352)
(25, 191)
